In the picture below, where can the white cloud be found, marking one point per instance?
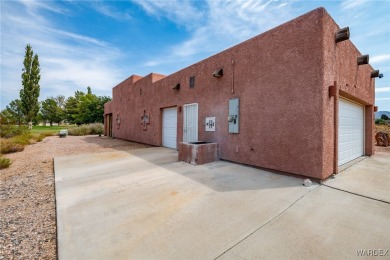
(77, 37)
(69, 61)
(33, 6)
(153, 63)
(351, 4)
(183, 13)
(386, 89)
(382, 99)
(225, 23)
(110, 11)
(380, 58)
(281, 5)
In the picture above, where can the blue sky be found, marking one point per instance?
(100, 43)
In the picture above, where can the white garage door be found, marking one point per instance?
(169, 127)
(351, 131)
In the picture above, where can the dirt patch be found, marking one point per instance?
(28, 217)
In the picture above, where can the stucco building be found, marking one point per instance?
(297, 99)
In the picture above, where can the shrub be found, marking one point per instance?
(4, 162)
(23, 139)
(17, 143)
(8, 131)
(380, 122)
(9, 146)
(81, 130)
(96, 129)
(41, 136)
(91, 129)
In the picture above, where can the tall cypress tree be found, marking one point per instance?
(30, 80)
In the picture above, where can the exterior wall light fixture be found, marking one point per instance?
(218, 73)
(177, 86)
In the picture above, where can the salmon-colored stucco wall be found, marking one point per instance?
(281, 78)
(353, 82)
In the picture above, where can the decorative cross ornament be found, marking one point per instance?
(145, 120)
(118, 121)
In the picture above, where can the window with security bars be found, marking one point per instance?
(192, 82)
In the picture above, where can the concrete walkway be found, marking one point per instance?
(145, 204)
(370, 177)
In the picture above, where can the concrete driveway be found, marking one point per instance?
(145, 204)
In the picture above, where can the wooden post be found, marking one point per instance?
(374, 73)
(342, 34)
(361, 60)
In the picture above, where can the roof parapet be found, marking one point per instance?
(155, 77)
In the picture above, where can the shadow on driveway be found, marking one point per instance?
(144, 204)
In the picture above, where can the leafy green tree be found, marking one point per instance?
(72, 108)
(5, 118)
(51, 111)
(91, 108)
(60, 100)
(7, 128)
(30, 80)
(85, 108)
(384, 117)
(15, 112)
(38, 119)
(100, 108)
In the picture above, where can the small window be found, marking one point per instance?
(192, 82)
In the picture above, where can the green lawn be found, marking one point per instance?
(51, 129)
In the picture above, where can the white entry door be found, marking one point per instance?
(169, 127)
(351, 131)
(190, 123)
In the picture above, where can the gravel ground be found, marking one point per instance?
(28, 217)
